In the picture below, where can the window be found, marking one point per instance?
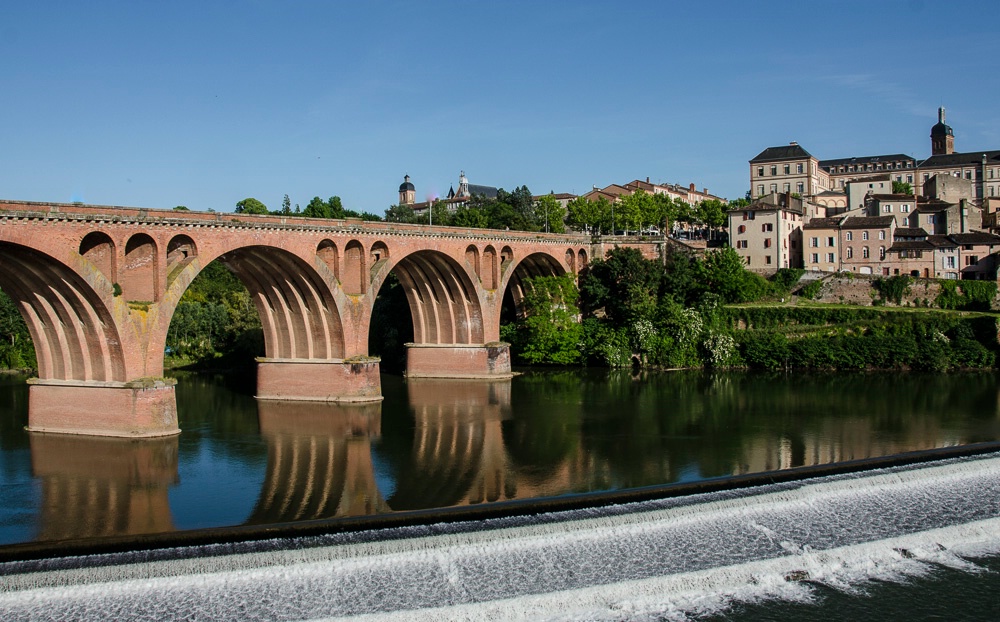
(741, 229)
(774, 170)
(788, 169)
(760, 172)
(850, 252)
(767, 226)
(774, 187)
(829, 257)
(931, 219)
(786, 187)
(864, 252)
(814, 242)
(968, 174)
(850, 236)
(881, 235)
(909, 179)
(800, 187)
(760, 189)
(926, 176)
(971, 260)
(864, 236)
(881, 253)
(905, 208)
(767, 259)
(741, 243)
(798, 168)
(887, 209)
(767, 242)
(815, 257)
(949, 262)
(830, 242)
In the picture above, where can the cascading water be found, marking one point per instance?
(666, 559)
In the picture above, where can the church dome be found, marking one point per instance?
(941, 128)
(406, 185)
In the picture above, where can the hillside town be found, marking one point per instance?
(883, 215)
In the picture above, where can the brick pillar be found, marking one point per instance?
(458, 360)
(141, 408)
(319, 380)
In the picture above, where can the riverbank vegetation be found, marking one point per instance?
(712, 313)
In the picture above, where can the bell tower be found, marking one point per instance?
(407, 193)
(942, 136)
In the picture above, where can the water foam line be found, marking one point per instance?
(658, 559)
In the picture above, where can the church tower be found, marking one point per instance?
(942, 137)
(407, 193)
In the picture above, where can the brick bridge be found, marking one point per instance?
(98, 286)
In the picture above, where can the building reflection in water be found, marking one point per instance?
(319, 461)
(96, 486)
(458, 453)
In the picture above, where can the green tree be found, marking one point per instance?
(586, 215)
(625, 284)
(712, 213)
(723, 273)
(400, 213)
(550, 214)
(286, 205)
(466, 216)
(251, 205)
(901, 187)
(550, 332)
(181, 208)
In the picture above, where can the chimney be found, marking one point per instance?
(704, 190)
(691, 188)
(793, 143)
(647, 178)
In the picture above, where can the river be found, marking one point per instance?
(439, 444)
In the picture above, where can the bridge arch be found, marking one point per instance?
(444, 302)
(534, 265)
(296, 307)
(298, 313)
(74, 333)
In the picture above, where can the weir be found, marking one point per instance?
(657, 559)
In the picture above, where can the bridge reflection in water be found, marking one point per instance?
(460, 442)
(98, 486)
(319, 461)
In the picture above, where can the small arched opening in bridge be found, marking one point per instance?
(139, 274)
(71, 328)
(327, 252)
(255, 301)
(99, 249)
(181, 250)
(534, 265)
(438, 296)
(354, 271)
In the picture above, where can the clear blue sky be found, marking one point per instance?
(205, 103)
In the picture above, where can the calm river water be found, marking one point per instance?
(434, 444)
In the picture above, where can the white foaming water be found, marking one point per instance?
(668, 559)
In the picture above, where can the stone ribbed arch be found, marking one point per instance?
(444, 302)
(534, 265)
(296, 307)
(73, 331)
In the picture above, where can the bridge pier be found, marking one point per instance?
(490, 360)
(141, 408)
(319, 380)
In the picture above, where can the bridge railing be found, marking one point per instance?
(119, 214)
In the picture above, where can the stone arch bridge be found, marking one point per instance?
(98, 287)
